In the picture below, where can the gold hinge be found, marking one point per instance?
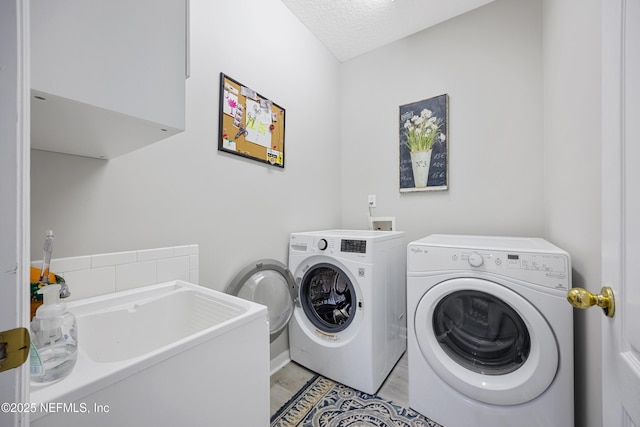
(14, 348)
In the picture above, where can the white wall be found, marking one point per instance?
(488, 61)
(182, 190)
(572, 116)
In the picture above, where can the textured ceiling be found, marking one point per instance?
(349, 28)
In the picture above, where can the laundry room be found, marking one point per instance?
(523, 86)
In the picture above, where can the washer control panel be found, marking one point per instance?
(546, 269)
(351, 248)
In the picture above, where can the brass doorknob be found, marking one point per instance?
(582, 298)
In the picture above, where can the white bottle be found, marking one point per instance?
(54, 338)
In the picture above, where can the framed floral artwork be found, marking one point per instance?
(424, 145)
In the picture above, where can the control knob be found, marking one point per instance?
(322, 244)
(475, 260)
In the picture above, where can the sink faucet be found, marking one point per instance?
(46, 260)
(64, 290)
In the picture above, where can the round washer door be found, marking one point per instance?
(486, 341)
(328, 297)
(267, 282)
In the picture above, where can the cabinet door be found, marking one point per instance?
(118, 65)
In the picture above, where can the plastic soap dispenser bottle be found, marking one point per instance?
(54, 339)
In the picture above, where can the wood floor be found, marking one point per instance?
(292, 377)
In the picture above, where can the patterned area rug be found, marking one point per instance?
(325, 403)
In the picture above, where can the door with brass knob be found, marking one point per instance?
(583, 299)
(620, 212)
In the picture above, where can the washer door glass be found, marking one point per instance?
(486, 341)
(267, 282)
(328, 297)
(481, 332)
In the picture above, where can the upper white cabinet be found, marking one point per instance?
(107, 76)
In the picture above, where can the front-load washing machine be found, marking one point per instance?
(349, 318)
(490, 334)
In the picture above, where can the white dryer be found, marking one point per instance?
(349, 317)
(490, 333)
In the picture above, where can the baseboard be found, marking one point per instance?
(279, 361)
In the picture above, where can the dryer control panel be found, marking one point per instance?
(550, 270)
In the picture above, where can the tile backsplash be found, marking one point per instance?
(93, 275)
